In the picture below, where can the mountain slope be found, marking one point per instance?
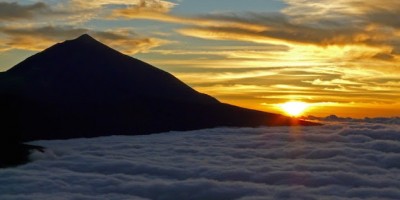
(83, 88)
(83, 69)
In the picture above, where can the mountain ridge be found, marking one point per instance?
(97, 68)
(83, 88)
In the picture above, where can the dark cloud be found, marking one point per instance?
(16, 11)
(384, 56)
(368, 24)
(345, 160)
(382, 13)
(9, 11)
(280, 26)
(376, 120)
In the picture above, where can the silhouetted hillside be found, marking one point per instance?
(83, 88)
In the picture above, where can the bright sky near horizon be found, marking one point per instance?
(341, 57)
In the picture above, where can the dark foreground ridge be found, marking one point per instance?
(83, 88)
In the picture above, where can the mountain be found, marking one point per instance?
(87, 70)
(83, 88)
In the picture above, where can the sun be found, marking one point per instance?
(294, 108)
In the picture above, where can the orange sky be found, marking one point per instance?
(342, 57)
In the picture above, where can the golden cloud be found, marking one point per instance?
(26, 38)
(332, 82)
(159, 10)
(153, 5)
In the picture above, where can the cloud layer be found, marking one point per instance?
(335, 161)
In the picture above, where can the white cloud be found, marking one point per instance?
(340, 160)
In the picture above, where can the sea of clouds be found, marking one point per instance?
(339, 160)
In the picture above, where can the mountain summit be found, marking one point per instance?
(83, 88)
(85, 70)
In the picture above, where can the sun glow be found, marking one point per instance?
(294, 108)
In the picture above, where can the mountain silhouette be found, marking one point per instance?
(83, 88)
(85, 70)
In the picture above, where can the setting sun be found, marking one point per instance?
(294, 108)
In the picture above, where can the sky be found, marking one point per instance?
(346, 161)
(341, 57)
